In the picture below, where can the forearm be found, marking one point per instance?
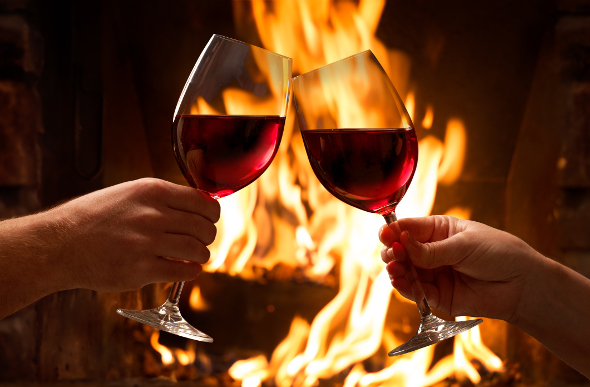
(555, 309)
(29, 261)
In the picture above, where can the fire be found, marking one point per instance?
(287, 217)
(183, 357)
(196, 300)
(428, 117)
(167, 356)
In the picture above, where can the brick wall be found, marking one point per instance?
(21, 54)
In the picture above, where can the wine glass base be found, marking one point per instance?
(433, 330)
(166, 318)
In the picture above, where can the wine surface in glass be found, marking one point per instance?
(222, 154)
(370, 169)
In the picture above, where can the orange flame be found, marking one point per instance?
(196, 300)
(428, 117)
(167, 356)
(176, 355)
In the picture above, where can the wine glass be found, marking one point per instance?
(362, 147)
(226, 130)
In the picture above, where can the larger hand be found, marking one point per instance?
(116, 239)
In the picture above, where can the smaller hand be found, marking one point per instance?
(465, 267)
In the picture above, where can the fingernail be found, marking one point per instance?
(390, 253)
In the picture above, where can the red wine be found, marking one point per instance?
(222, 154)
(370, 169)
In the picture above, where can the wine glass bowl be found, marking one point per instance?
(226, 130)
(362, 146)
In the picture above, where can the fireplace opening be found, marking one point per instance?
(295, 292)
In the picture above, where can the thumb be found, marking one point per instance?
(432, 254)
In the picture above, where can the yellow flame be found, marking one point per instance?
(459, 212)
(410, 104)
(452, 162)
(196, 300)
(476, 349)
(251, 371)
(462, 366)
(428, 117)
(167, 356)
(184, 357)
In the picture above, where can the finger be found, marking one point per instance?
(192, 200)
(182, 247)
(430, 229)
(386, 235)
(434, 254)
(399, 254)
(197, 226)
(165, 270)
(397, 269)
(402, 285)
(389, 233)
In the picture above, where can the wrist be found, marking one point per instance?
(548, 298)
(27, 262)
(44, 254)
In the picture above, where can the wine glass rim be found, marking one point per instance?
(250, 45)
(339, 60)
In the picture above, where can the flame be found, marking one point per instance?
(176, 355)
(167, 356)
(476, 349)
(196, 300)
(428, 117)
(185, 357)
(251, 372)
(410, 103)
(287, 217)
(459, 212)
(452, 162)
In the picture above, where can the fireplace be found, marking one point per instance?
(92, 88)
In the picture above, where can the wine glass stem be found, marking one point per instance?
(411, 275)
(174, 296)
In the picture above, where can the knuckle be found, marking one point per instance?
(429, 255)
(142, 269)
(150, 185)
(149, 216)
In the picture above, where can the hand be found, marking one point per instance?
(136, 233)
(465, 267)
